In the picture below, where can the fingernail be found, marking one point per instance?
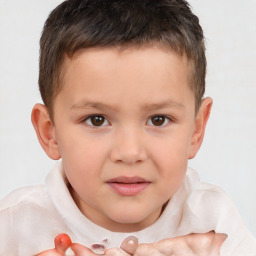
(130, 244)
(131, 239)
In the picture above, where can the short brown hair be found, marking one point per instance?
(81, 24)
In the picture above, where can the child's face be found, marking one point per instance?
(124, 124)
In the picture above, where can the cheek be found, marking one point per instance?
(83, 165)
(171, 158)
(171, 152)
(77, 144)
(82, 155)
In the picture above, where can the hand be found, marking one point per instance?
(62, 243)
(208, 244)
(128, 248)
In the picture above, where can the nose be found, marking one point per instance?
(128, 148)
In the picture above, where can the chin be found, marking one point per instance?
(137, 220)
(127, 225)
(127, 218)
(130, 219)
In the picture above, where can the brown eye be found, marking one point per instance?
(158, 120)
(96, 121)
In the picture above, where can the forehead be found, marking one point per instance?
(96, 55)
(120, 73)
(146, 57)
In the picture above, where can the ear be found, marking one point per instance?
(45, 131)
(200, 124)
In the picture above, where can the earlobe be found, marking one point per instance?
(200, 124)
(45, 131)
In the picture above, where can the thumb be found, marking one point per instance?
(62, 243)
(130, 244)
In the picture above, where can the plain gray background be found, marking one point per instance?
(228, 154)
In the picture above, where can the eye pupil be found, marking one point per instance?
(97, 120)
(158, 120)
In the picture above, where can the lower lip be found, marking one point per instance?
(130, 189)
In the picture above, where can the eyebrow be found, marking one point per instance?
(164, 104)
(91, 104)
(146, 107)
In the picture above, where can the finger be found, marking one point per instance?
(169, 246)
(81, 250)
(206, 239)
(217, 242)
(130, 244)
(116, 252)
(205, 244)
(220, 238)
(51, 252)
(152, 249)
(62, 243)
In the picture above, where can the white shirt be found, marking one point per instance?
(31, 217)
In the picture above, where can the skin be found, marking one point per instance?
(190, 245)
(62, 243)
(127, 88)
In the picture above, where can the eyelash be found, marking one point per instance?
(167, 120)
(89, 118)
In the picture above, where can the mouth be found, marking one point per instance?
(128, 186)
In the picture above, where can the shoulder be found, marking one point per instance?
(203, 192)
(28, 214)
(207, 206)
(22, 205)
(17, 211)
(23, 195)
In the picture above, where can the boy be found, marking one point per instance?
(122, 82)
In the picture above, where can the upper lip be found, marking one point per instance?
(128, 180)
